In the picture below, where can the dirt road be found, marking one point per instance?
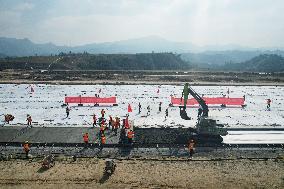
(173, 173)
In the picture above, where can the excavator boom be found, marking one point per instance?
(200, 101)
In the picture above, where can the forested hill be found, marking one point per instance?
(261, 63)
(85, 61)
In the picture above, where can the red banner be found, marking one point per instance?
(217, 100)
(78, 99)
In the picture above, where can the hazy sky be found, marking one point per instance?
(255, 23)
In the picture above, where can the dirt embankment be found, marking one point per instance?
(88, 173)
(139, 77)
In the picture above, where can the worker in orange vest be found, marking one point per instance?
(86, 138)
(102, 129)
(126, 123)
(29, 119)
(117, 122)
(103, 139)
(94, 120)
(191, 148)
(26, 148)
(130, 135)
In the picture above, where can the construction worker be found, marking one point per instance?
(191, 148)
(103, 139)
(102, 129)
(8, 118)
(103, 112)
(160, 106)
(67, 111)
(185, 94)
(116, 125)
(167, 113)
(86, 138)
(268, 103)
(148, 110)
(26, 148)
(130, 135)
(126, 123)
(29, 119)
(139, 108)
(199, 112)
(94, 120)
(110, 122)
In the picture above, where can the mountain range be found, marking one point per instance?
(203, 56)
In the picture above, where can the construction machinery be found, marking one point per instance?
(205, 125)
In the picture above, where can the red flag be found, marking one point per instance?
(129, 108)
(158, 91)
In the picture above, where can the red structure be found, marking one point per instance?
(90, 100)
(216, 101)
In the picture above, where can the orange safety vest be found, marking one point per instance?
(103, 139)
(126, 124)
(86, 138)
(26, 147)
(130, 134)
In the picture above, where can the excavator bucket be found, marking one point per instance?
(183, 113)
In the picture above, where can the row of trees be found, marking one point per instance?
(85, 61)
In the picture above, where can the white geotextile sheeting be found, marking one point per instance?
(46, 100)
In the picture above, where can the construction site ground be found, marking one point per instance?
(170, 172)
(256, 166)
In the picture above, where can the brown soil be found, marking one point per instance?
(174, 173)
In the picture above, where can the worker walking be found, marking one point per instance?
(86, 138)
(191, 148)
(199, 112)
(67, 111)
(160, 106)
(268, 103)
(116, 125)
(130, 135)
(26, 148)
(167, 113)
(29, 120)
(94, 120)
(148, 110)
(139, 108)
(110, 122)
(103, 112)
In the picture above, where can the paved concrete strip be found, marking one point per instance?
(54, 135)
